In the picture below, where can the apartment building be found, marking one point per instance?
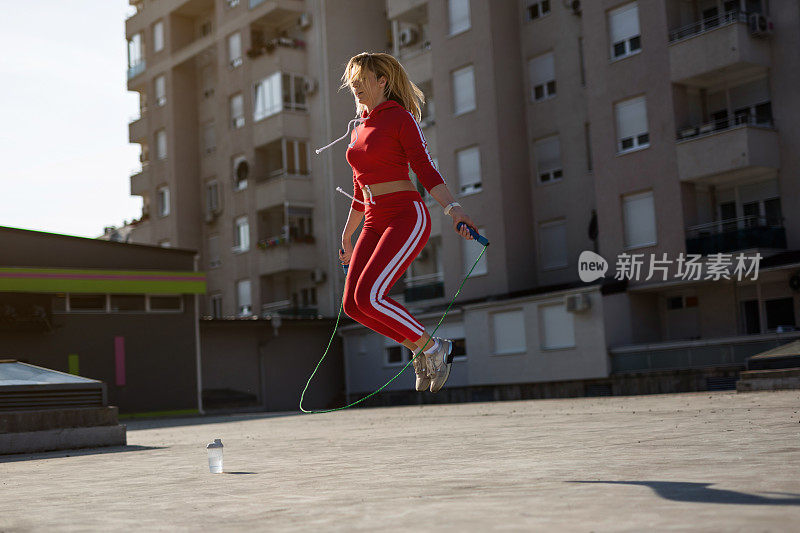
(647, 127)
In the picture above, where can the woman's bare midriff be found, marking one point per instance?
(386, 187)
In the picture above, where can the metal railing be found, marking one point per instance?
(739, 119)
(135, 70)
(730, 224)
(740, 233)
(707, 24)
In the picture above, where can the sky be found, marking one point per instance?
(65, 159)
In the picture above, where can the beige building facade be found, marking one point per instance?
(648, 127)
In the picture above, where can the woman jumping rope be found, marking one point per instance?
(386, 137)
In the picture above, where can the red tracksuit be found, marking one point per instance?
(396, 225)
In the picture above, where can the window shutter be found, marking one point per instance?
(542, 69)
(624, 22)
(509, 332)
(553, 239)
(640, 219)
(458, 10)
(243, 293)
(464, 89)
(558, 328)
(234, 46)
(631, 118)
(469, 169)
(548, 154)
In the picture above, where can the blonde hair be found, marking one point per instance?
(398, 86)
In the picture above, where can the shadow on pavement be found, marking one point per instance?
(74, 453)
(701, 493)
(154, 423)
(241, 473)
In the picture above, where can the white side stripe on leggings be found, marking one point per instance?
(391, 269)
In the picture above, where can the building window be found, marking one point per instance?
(508, 332)
(212, 197)
(240, 171)
(237, 111)
(244, 302)
(87, 302)
(279, 91)
(296, 157)
(553, 244)
(158, 36)
(632, 131)
(162, 194)
(214, 259)
(557, 327)
(538, 9)
(126, 303)
(241, 235)
(235, 49)
(209, 137)
(161, 144)
(164, 303)
(458, 12)
(160, 85)
(135, 51)
(623, 24)
(543, 77)
(471, 251)
(216, 306)
(639, 219)
(469, 170)
(548, 159)
(394, 353)
(780, 312)
(463, 81)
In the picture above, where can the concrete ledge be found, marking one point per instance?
(62, 439)
(46, 419)
(764, 380)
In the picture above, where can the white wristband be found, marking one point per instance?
(450, 206)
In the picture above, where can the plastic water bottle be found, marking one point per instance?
(215, 456)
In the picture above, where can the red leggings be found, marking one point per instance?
(395, 231)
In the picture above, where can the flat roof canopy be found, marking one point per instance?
(54, 280)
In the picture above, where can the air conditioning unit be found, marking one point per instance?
(576, 303)
(211, 216)
(304, 21)
(310, 85)
(760, 25)
(408, 36)
(317, 275)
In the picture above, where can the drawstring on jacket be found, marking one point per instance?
(357, 120)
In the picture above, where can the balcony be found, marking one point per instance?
(715, 50)
(135, 70)
(726, 351)
(278, 190)
(137, 130)
(285, 255)
(425, 287)
(284, 123)
(289, 57)
(730, 235)
(747, 145)
(140, 183)
(288, 309)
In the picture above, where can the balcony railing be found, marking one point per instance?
(739, 119)
(135, 70)
(425, 287)
(733, 234)
(286, 308)
(707, 24)
(279, 240)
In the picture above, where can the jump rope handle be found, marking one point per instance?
(344, 267)
(475, 235)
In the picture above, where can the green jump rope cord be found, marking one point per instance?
(336, 326)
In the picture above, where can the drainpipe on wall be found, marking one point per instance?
(197, 342)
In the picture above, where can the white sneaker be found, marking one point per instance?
(421, 370)
(439, 363)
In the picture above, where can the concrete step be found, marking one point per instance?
(45, 419)
(778, 379)
(62, 439)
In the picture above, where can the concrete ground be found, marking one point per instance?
(702, 461)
